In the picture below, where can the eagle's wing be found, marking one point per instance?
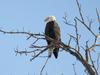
(57, 39)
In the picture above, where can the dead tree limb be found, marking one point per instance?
(84, 58)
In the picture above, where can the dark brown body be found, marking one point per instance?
(52, 30)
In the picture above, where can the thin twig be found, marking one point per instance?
(98, 19)
(80, 11)
(93, 46)
(77, 35)
(66, 21)
(26, 52)
(87, 52)
(38, 54)
(69, 41)
(90, 22)
(44, 65)
(98, 60)
(73, 37)
(74, 69)
(35, 46)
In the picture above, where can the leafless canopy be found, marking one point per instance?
(84, 56)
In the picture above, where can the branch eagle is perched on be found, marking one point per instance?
(52, 30)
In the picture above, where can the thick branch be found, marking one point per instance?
(80, 58)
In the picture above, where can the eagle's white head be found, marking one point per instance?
(50, 18)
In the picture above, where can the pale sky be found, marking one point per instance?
(30, 14)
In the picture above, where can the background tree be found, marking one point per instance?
(83, 43)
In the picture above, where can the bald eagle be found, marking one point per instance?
(52, 30)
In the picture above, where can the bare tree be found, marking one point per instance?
(82, 52)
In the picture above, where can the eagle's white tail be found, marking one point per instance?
(50, 51)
